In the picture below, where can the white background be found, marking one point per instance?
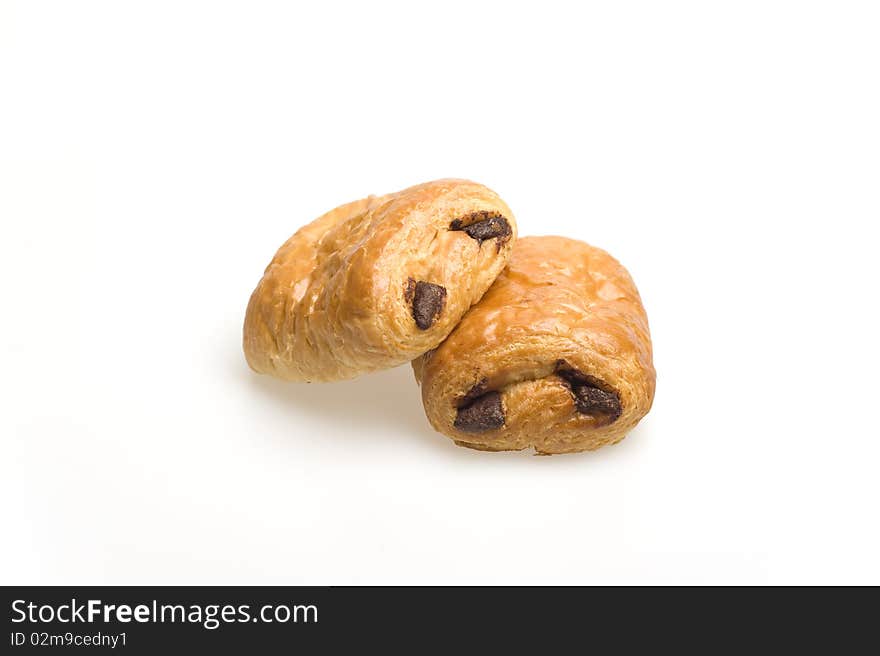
(153, 156)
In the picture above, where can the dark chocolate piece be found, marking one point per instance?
(591, 396)
(484, 413)
(592, 400)
(482, 226)
(428, 300)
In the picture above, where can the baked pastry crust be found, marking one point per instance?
(374, 283)
(556, 356)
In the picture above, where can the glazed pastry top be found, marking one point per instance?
(557, 288)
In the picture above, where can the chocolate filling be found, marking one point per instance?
(476, 391)
(592, 400)
(591, 396)
(484, 225)
(482, 413)
(480, 410)
(427, 301)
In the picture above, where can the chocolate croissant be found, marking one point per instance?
(556, 356)
(374, 283)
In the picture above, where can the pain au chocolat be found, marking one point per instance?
(556, 356)
(377, 282)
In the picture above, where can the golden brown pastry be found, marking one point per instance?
(556, 356)
(374, 283)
